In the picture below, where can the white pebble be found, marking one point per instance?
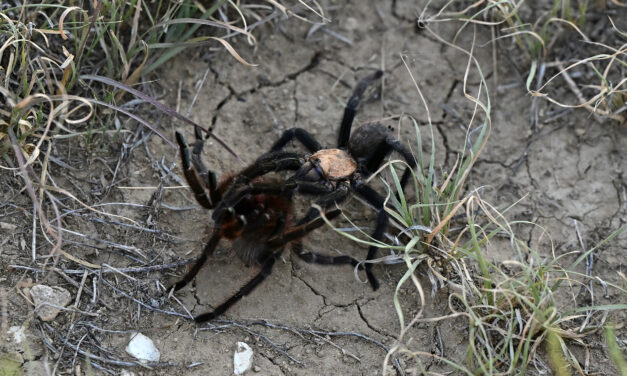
(142, 348)
(18, 334)
(242, 358)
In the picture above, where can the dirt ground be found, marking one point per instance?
(567, 169)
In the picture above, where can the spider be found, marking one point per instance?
(255, 212)
(258, 224)
(335, 173)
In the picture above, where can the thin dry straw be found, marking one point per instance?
(160, 106)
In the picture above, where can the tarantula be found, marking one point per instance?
(334, 173)
(255, 212)
(258, 224)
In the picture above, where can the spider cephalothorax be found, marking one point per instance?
(329, 164)
(255, 213)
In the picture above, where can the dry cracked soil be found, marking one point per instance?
(567, 172)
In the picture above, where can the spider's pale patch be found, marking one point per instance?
(336, 164)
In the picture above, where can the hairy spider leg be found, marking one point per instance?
(208, 176)
(266, 270)
(301, 135)
(206, 252)
(375, 199)
(299, 231)
(237, 185)
(335, 196)
(341, 194)
(273, 161)
(278, 242)
(194, 170)
(269, 162)
(317, 258)
(351, 108)
(201, 179)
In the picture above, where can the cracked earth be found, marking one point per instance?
(571, 169)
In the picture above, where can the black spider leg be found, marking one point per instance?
(377, 201)
(339, 195)
(208, 176)
(383, 150)
(266, 266)
(351, 108)
(266, 270)
(273, 161)
(196, 173)
(299, 231)
(301, 135)
(313, 257)
(317, 258)
(206, 252)
(335, 196)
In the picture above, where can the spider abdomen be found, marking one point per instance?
(256, 219)
(367, 138)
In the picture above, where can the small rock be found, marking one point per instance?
(17, 334)
(242, 358)
(44, 295)
(257, 369)
(7, 226)
(142, 348)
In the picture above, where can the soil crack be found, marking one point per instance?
(379, 331)
(295, 275)
(271, 360)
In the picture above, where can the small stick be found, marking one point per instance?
(78, 294)
(119, 272)
(34, 240)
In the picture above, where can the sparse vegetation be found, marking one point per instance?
(513, 314)
(556, 51)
